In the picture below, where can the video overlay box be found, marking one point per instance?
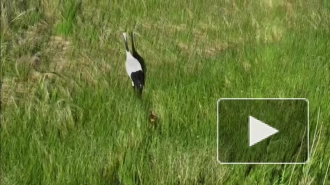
(262, 130)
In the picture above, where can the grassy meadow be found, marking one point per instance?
(69, 114)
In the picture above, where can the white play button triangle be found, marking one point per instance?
(259, 131)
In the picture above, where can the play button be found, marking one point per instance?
(262, 131)
(259, 131)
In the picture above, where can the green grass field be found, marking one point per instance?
(69, 115)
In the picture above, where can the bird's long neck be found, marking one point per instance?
(132, 42)
(126, 45)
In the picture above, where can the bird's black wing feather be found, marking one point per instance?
(138, 56)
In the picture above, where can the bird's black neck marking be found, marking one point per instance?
(126, 45)
(132, 42)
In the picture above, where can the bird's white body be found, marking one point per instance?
(132, 64)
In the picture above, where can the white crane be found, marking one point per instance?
(134, 69)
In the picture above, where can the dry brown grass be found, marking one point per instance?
(39, 61)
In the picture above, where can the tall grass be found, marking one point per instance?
(69, 116)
